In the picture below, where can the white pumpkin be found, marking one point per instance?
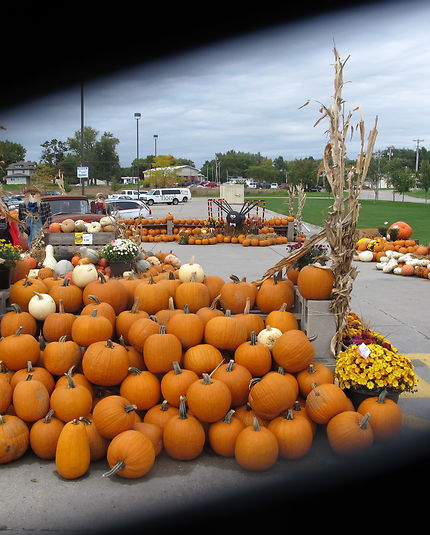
(365, 256)
(40, 305)
(191, 271)
(268, 336)
(397, 270)
(107, 220)
(94, 227)
(49, 260)
(84, 274)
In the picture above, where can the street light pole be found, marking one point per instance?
(155, 144)
(137, 116)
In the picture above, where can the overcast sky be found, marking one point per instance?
(244, 94)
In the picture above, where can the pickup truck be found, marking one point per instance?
(72, 207)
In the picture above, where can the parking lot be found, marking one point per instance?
(210, 491)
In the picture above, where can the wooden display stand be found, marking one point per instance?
(4, 296)
(318, 320)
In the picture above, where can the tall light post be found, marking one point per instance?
(155, 144)
(137, 116)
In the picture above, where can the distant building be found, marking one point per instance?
(19, 173)
(185, 173)
(129, 179)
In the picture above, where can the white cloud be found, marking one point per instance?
(244, 94)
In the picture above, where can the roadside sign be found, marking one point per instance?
(82, 172)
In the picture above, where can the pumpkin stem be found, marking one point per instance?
(70, 381)
(289, 415)
(153, 318)
(281, 370)
(85, 420)
(30, 368)
(94, 313)
(16, 308)
(18, 331)
(234, 278)
(95, 299)
(311, 368)
(253, 341)
(63, 338)
(2, 422)
(101, 277)
(135, 307)
(253, 381)
(119, 466)
(164, 405)
(39, 295)
(214, 303)
(182, 408)
(186, 309)
(66, 282)
(256, 424)
(247, 306)
(61, 306)
(176, 368)
(206, 379)
(365, 421)
(129, 408)
(382, 396)
(136, 371)
(216, 367)
(283, 307)
(227, 417)
(49, 415)
(230, 365)
(162, 329)
(29, 377)
(110, 344)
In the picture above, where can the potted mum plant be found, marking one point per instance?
(9, 256)
(365, 370)
(120, 254)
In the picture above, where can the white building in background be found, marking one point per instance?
(19, 173)
(185, 173)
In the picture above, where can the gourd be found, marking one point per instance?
(365, 256)
(88, 252)
(107, 220)
(49, 260)
(80, 226)
(41, 305)
(94, 227)
(68, 225)
(63, 267)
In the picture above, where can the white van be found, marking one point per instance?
(167, 195)
(133, 193)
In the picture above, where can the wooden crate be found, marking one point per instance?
(96, 239)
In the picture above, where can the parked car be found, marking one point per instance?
(274, 185)
(128, 209)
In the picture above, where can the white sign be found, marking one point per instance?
(364, 351)
(82, 172)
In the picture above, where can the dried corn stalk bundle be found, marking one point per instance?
(341, 222)
(291, 195)
(301, 199)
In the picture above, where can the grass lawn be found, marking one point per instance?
(373, 214)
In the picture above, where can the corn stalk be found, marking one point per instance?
(301, 199)
(341, 222)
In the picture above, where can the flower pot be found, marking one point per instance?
(357, 396)
(5, 277)
(118, 268)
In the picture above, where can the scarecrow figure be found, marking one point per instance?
(33, 212)
(99, 205)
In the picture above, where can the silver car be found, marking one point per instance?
(128, 209)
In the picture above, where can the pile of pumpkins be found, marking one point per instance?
(106, 224)
(172, 360)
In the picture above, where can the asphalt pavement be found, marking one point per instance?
(207, 492)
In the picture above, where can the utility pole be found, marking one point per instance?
(417, 153)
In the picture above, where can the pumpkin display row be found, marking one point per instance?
(124, 383)
(106, 224)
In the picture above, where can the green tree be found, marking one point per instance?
(10, 152)
(423, 181)
(266, 173)
(54, 152)
(402, 178)
(44, 176)
(303, 171)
